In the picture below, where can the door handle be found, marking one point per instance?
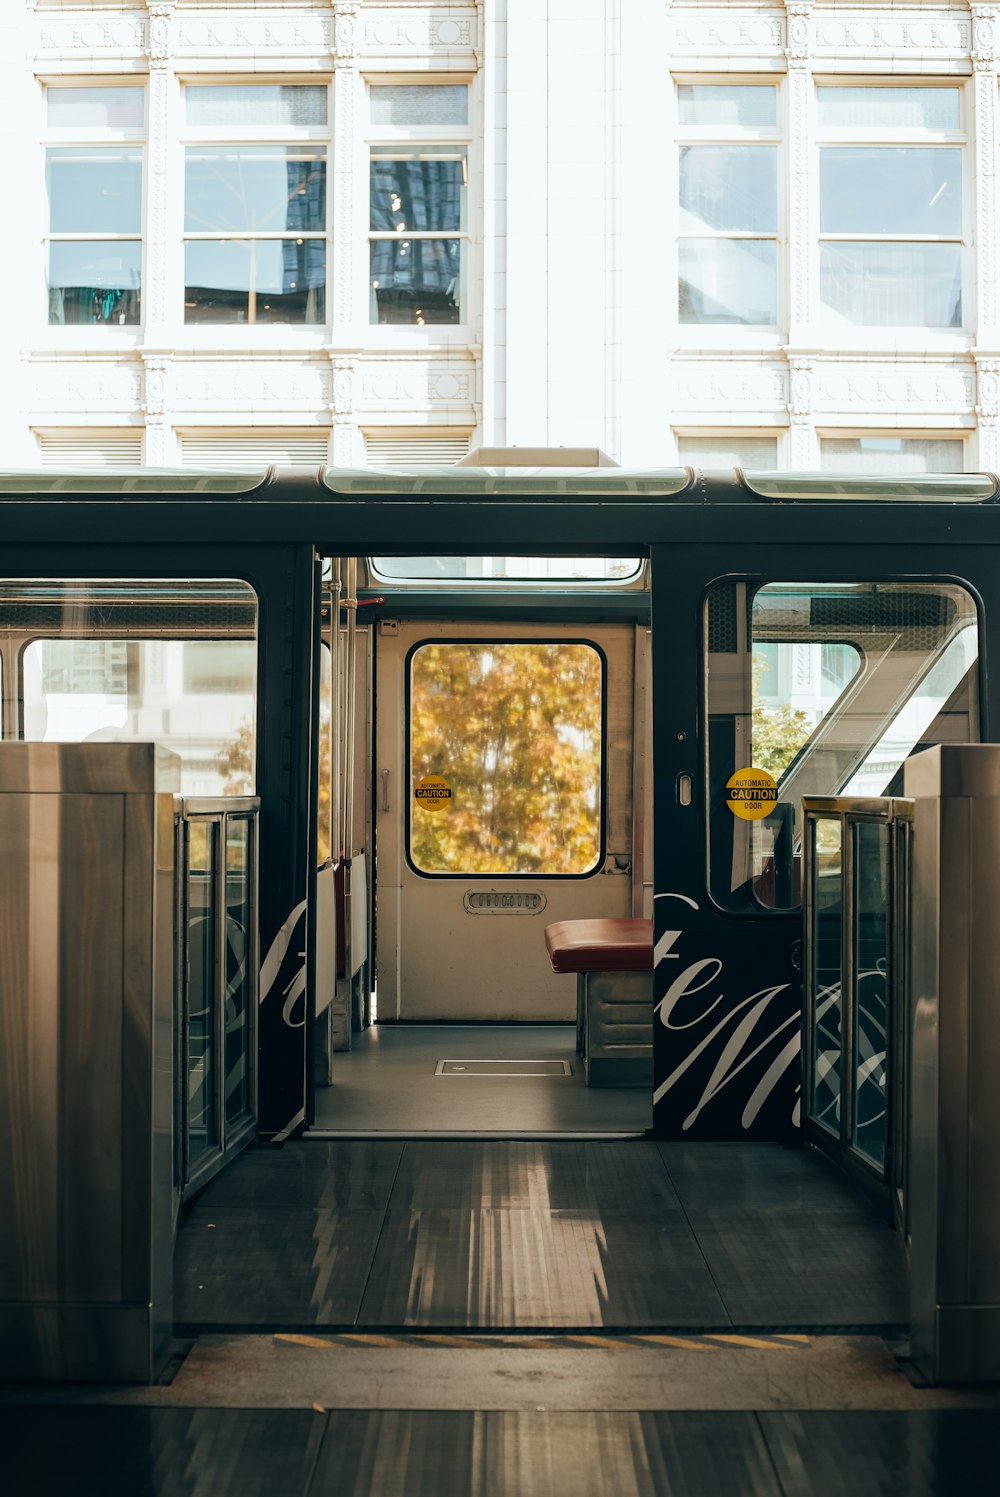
(385, 790)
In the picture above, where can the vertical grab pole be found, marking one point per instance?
(351, 604)
(336, 588)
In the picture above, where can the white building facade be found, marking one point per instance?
(383, 232)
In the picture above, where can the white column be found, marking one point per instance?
(492, 112)
(345, 441)
(643, 236)
(22, 268)
(162, 275)
(986, 127)
(527, 209)
(347, 286)
(800, 249)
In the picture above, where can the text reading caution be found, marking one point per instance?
(432, 793)
(751, 794)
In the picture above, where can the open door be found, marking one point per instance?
(504, 770)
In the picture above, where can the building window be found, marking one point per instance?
(727, 250)
(418, 234)
(93, 176)
(891, 216)
(892, 454)
(255, 225)
(728, 450)
(250, 450)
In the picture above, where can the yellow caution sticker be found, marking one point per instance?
(751, 794)
(432, 793)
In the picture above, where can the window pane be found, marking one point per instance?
(238, 952)
(728, 280)
(871, 963)
(419, 104)
(94, 191)
(135, 690)
(728, 452)
(256, 280)
(892, 285)
(95, 282)
(267, 105)
(892, 454)
(890, 108)
(515, 729)
(829, 669)
(255, 188)
(890, 190)
(416, 281)
(418, 190)
(102, 108)
(507, 568)
(726, 104)
(728, 187)
(827, 936)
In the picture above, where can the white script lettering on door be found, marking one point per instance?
(736, 1036)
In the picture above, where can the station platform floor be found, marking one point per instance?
(521, 1318)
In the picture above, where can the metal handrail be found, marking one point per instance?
(854, 1017)
(231, 1007)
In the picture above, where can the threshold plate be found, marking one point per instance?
(503, 1068)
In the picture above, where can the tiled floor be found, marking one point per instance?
(493, 1234)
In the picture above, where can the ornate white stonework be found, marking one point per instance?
(702, 31)
(706, 384)
(241, 384)
(111, 385)
(386, 384)
(82, 34)
(941, 388)
(882, 34)
(275, 35)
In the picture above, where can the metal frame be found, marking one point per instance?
(216, 814)
(850, 812)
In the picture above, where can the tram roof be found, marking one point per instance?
(457, 483)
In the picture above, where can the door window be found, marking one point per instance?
(506, 758)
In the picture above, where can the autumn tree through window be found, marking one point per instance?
(515, 730)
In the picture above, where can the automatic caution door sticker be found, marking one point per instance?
(433, 793)
(751, 794)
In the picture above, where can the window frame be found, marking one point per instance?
(527, 876)
(462, 137)
(95, 138)
(751, 334)
(321, 136)
(918, 434)
(916, 138)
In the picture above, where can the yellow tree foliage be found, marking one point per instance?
(515, 729)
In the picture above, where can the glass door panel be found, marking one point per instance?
(871, 966)
(238, 955)
(827, 936)
(202, 939)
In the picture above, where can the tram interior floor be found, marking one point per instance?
(521, 1318)
(387, 1083)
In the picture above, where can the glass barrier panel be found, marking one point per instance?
(871, 967)
(826, 997)
(203, 1122)
(239, 947)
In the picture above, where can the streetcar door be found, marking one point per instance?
(503, 801)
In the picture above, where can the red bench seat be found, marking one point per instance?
(600, 945)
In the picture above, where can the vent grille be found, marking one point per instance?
(91, 451)
(246, 451)
(415, 449)
(722, 633)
